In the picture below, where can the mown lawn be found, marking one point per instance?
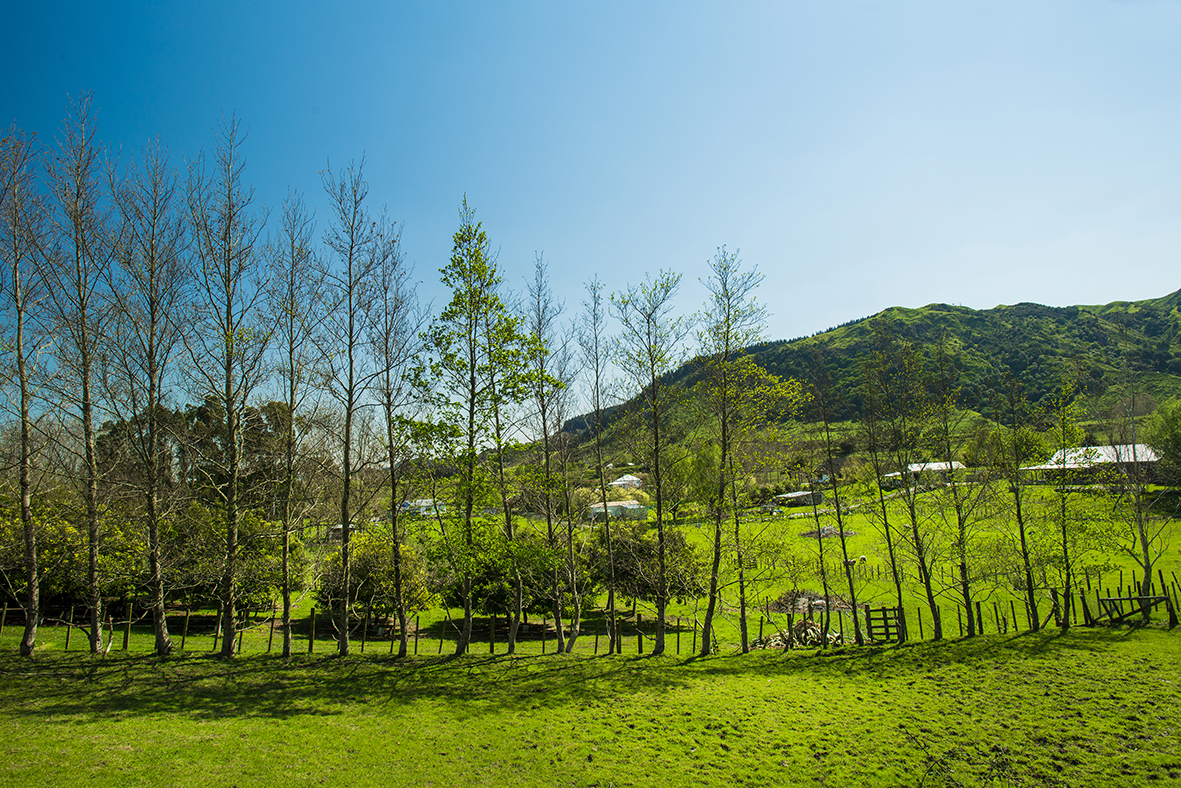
(1094, 707)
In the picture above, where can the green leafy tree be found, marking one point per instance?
(737, 397)
(473, 345)
(1013, 445)
(1164, 436)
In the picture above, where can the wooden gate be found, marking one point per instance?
(882, 623)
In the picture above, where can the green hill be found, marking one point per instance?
(1037, 342)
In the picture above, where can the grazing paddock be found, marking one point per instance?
(1096, 707)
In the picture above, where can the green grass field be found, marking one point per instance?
(1095, 707)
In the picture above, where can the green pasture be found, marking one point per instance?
(1094, 707)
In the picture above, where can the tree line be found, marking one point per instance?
(196, 387)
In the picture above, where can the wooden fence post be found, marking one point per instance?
(679, 633)
(920, 611)
(3, 618)
(544, 625)
(217, 627)
(184, 632)
(959, 617)
(312, 631)
(271, 634)
(127, 626)
(996, 616)
(639, 635)
(492, 634)
(241, 632)
(979, 620)
(598, 626)
(416, 634)
(69, 627)
(694, 648)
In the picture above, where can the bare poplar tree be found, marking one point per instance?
(564, 373)
(1017, 445)
(229, 339)
(875, 434)
(149, 294)
(650, 347)
(897, 372)
(822, 398)
(22, 234)
(292, 296)
(967, 496)
(1065, 435)
(592, 338)
(395, 323)
(356, 240)
(75, 271)
(542, 314)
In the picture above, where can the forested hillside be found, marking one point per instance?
(1040, 343)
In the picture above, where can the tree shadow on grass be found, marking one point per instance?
(81, 688)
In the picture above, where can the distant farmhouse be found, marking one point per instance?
(421, 506)
(627, 482)
(922, 471)
(1090, 463)
(618, 510)
(801, 498)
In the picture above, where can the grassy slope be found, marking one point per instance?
(1090, 708)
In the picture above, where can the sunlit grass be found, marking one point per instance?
(1094, 707)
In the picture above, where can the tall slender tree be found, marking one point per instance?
(22, 237)
(967, 496)
(471, 343)
(732, 320)
(650, 347)
(1065, 435)
(227, 347)
(356, 240)
(1016, 446)
(542, 313)
(292, 293)
(905, 412)
(823, 401)
(149, 289)
(875, 434)
(395, 324)
(76, 269)
(592, 338)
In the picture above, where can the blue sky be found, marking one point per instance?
(861, 154)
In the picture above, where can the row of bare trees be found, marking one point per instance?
(131, 289)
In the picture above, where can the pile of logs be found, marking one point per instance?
(804, 634)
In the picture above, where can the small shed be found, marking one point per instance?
(800, 498)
